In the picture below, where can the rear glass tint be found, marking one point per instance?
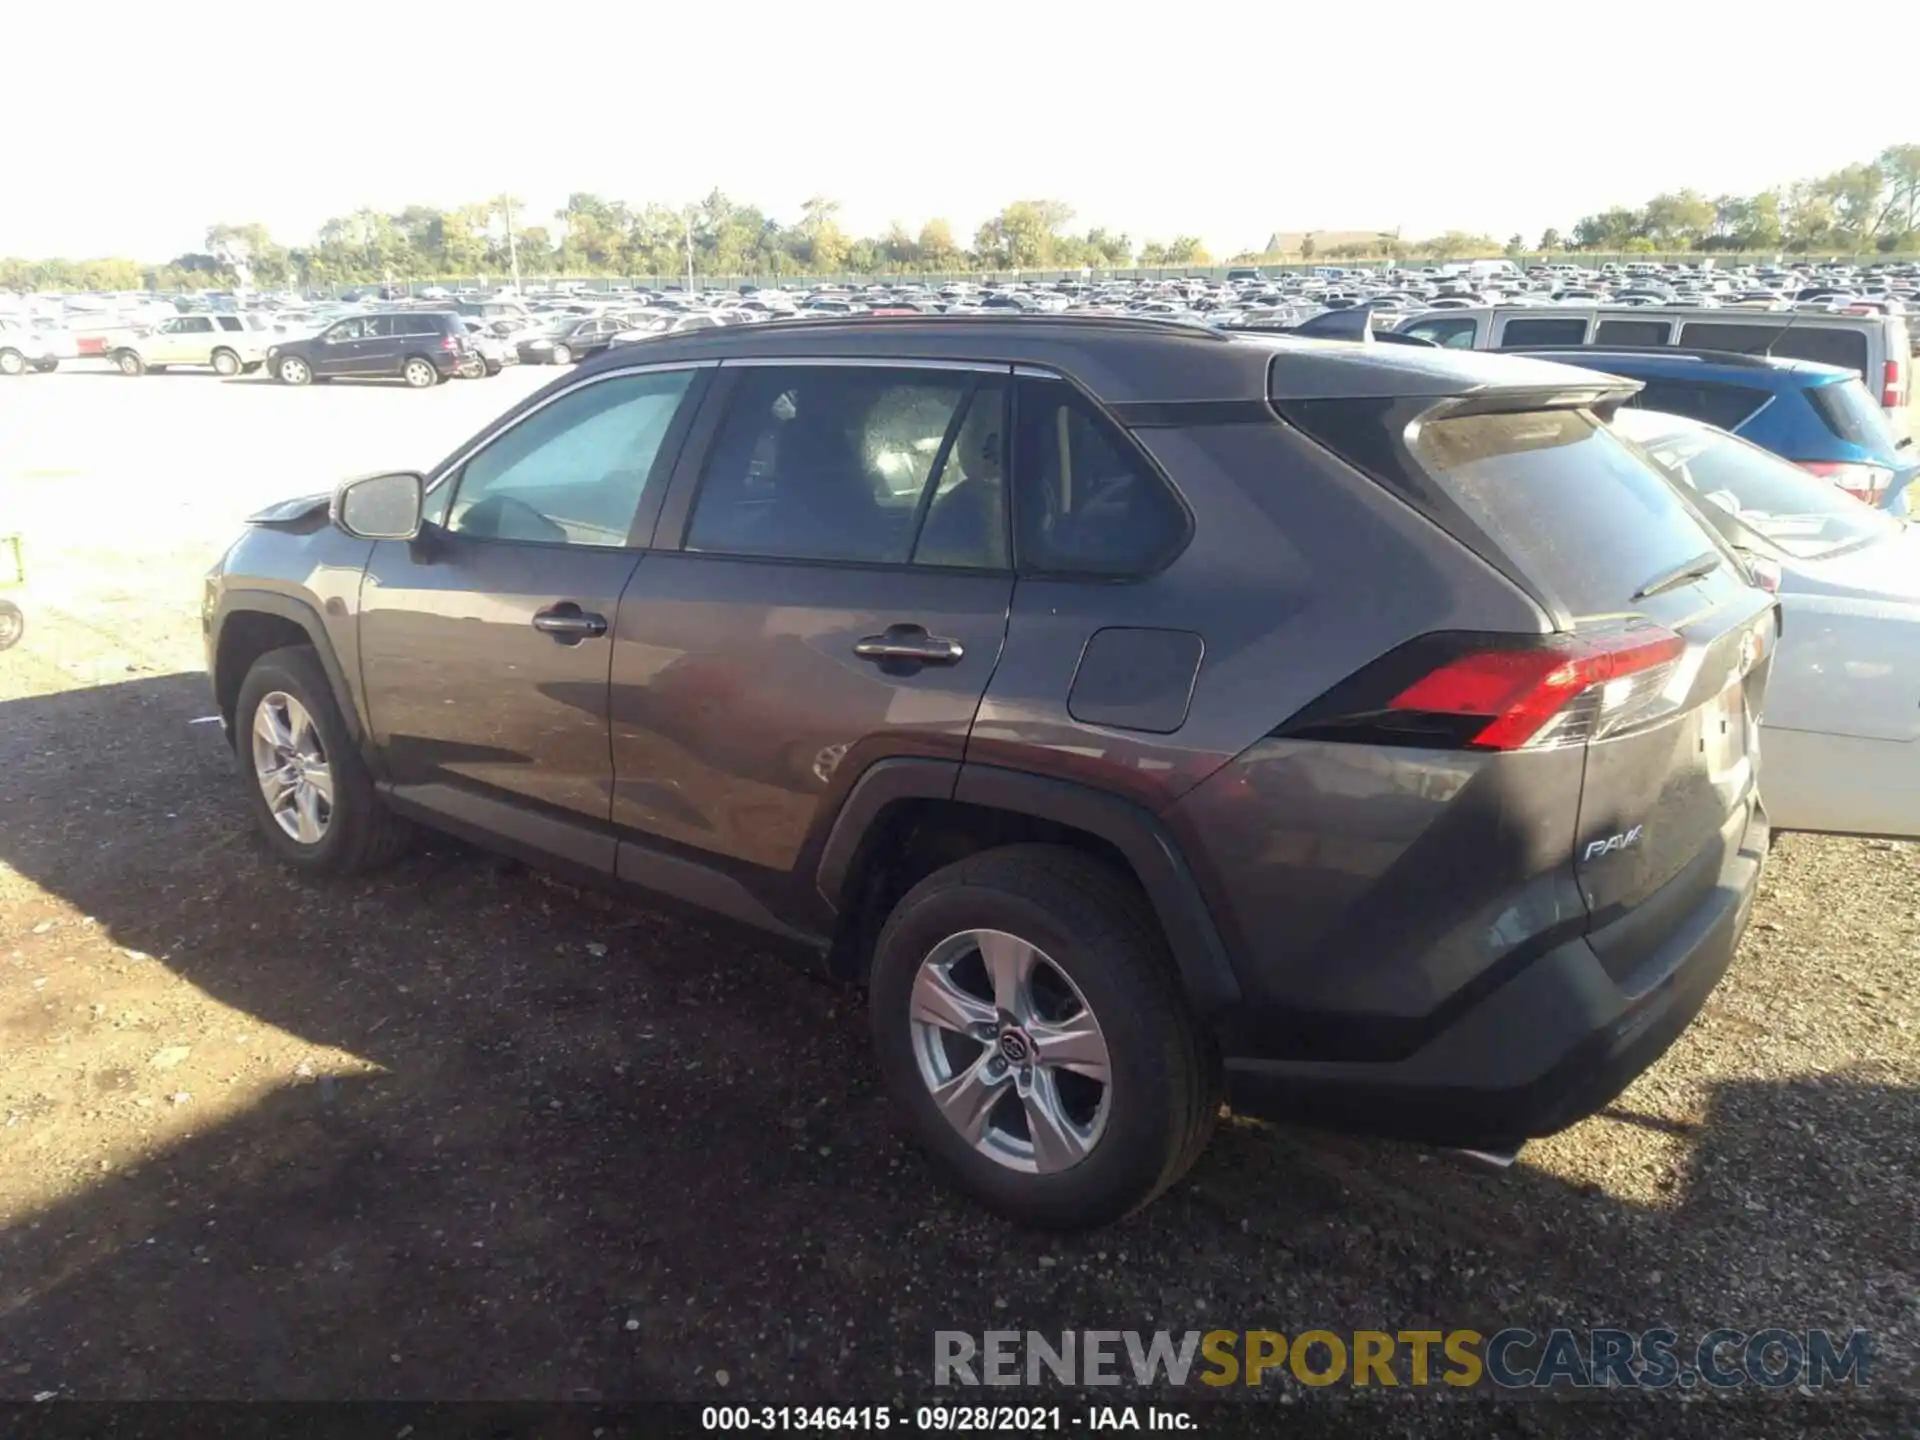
(1851, 414)
(1846, 348)
(1561, 330)
(1585, 516)
(1632, 332)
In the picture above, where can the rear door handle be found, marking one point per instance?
(910, 644)
(569, 624)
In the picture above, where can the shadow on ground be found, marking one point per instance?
(614, 1175)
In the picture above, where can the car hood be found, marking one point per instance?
(297, 513)
(1887, 569)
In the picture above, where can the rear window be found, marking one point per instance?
(1561, 330)
(1846, 348)
(1633, 332)
(1582, 513)
(1850, 413)
(1728, 406)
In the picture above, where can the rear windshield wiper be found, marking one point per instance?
(1698, 568)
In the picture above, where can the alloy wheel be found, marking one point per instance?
(290, 764)
(1010, 1051)
(419, 374)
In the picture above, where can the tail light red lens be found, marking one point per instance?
(1863, 482)
(1890, 396)
(449, 343)
(1568, 692)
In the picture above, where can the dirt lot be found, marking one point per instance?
(460, 1131)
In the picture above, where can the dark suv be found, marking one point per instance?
(1142, 713)
(421, 347)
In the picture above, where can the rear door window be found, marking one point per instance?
(1557, 330)
(1723, 335)
(1579, 511)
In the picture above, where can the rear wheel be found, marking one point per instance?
(13, 624)
(12, 362)
(1029, 1025)
(47, 367)
(310, 792)
(420, 374)
(225, 363)
(130, 363)
(293, 371)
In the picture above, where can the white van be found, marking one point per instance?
(1873, 346)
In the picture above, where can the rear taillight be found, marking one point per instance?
(1766, 574)
(1863, 482)
(1470, 692)
(1890, 391)
(449, 343)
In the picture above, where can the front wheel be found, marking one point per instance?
(310, 792)
(562, 355)
(13, 624)
(226, 364)
(1029, 1025)
(293, 371)
(130, 363)
(420, 374)
(12, 362)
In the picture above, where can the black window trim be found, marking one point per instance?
(660, 477)
(690, 477)
(1126, 437)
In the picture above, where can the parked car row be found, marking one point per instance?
(1101, 854)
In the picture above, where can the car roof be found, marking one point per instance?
(1126, 360)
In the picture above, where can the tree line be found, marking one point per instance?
(1871, 207)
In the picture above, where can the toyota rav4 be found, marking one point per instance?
(1147, 717)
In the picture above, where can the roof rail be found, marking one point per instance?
(1137, 324)
(1752, 360)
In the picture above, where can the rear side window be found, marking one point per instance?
(1728, 406)
(1560, 330)
(1719, 335)
(1632, 332)
(1845, 348)
(1848, 411)
(1086, 501)
(1577, 509)
(1453, 334)
(231, 322)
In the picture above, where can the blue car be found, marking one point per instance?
(1818, 416)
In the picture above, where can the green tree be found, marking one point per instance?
(1549, 239)
(936, 246)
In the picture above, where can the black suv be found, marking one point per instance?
(421, 347)
(1144, 714)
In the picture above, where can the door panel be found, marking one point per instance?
(738, 696)
(467, 697)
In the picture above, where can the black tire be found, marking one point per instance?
(13, 624)
(362, 833)
(292, 370)
(561, 354)
(12, 362)
(420, 373)
(226, 364)
(1095, 927)
(47, 367)
(130, 363)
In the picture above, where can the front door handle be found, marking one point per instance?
(569, 624)
(910, 644)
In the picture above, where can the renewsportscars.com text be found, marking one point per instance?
(1772, 1358)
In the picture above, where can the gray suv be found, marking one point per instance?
(1146, 716)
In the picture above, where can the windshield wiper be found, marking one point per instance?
(1698, 568)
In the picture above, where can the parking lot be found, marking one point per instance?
(461, 1131)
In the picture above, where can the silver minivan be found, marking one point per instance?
(1876, 347)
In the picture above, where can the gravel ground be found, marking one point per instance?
(460, 1131)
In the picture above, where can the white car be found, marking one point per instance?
(26, 346)
(228, 344)
(1840, 729)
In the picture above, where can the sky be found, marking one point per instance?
(1225, 121)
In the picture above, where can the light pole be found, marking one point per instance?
(513, 243)
(689, 219)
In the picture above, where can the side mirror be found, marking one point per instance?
(380, 507)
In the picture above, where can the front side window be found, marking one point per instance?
(1086, 501)
(1450, 334)
(859, 463)
(1561, 330)
(345, 331)
(196, 325)
(573, 472)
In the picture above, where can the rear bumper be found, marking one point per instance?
(1550, 1047)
